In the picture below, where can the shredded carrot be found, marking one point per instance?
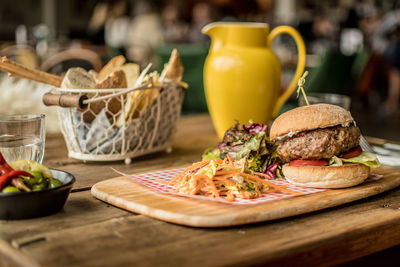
(224, 179)
(258, 192)
(210, 181)
(230, 196)
(230, 160)
(190, 168)
(272, 185)
(226, 166)
(226, 176)
(197, 188)
(232, 173)
(256, 178)
(213, 187)
(191, 182)
(220, 161)
(264, 175)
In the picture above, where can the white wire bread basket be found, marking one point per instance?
(120, 124)
(103, 140)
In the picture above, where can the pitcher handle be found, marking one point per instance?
(300, 62)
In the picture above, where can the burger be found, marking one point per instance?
(319, 145)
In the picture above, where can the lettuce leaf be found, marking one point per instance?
(255, 163)
(211, 153)
(335, 161)
(365, 158)
(251, 145)
(209, 169)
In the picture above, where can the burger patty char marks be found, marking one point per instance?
(321, 143)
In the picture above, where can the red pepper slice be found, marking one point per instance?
(4, 179)
(4, 167)
(7, 173)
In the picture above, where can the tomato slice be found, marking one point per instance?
(352, 153)
(307, 162)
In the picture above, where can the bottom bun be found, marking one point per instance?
(326, 176)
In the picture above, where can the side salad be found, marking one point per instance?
(240, 166)
(249, 143)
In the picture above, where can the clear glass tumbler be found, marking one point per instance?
(334, 99)
(22, 137)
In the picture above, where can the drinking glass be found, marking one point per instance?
(22, 137)
(343, 101)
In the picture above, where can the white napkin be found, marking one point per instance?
(386, 156)
(389, 160)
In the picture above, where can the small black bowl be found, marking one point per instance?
(23, 205)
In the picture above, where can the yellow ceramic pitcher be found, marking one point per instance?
(242, 76)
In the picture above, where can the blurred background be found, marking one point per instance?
(353, 46)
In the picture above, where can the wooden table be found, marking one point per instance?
(88, 232)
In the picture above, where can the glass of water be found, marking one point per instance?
(335, 99)
(22, 137)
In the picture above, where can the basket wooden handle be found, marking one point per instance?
(17, 70)
(64, 100)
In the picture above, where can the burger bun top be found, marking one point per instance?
(309, 118)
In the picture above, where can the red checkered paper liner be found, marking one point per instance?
(155, 180)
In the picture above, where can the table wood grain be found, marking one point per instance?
(89, 232)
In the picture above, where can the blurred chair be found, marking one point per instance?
(337, 73)
(75, 57)
(374, 76)
(23, 54)
(193, 57)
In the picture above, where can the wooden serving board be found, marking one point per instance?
(122, 192)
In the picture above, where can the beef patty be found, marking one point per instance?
(319, 143)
